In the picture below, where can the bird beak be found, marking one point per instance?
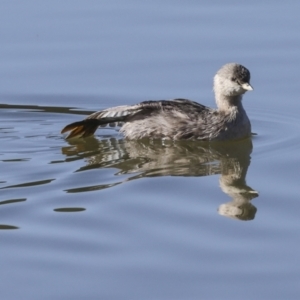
(246, 86)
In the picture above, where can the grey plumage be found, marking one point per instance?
(180, 118)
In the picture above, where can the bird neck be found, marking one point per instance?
(227, 103)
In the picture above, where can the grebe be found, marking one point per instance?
(180, 118)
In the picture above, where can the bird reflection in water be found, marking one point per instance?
(149, 158)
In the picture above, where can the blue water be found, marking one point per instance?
(104, 218)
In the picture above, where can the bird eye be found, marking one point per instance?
(233, 79)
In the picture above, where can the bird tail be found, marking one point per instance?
(83, 128)
(88, 126)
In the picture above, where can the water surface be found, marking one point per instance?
(105, 218)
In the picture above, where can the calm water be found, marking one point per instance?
(105, 218)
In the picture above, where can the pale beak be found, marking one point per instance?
(246, 86)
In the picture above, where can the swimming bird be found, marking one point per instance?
(180, 118)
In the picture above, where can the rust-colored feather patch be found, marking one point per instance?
(83, 128)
